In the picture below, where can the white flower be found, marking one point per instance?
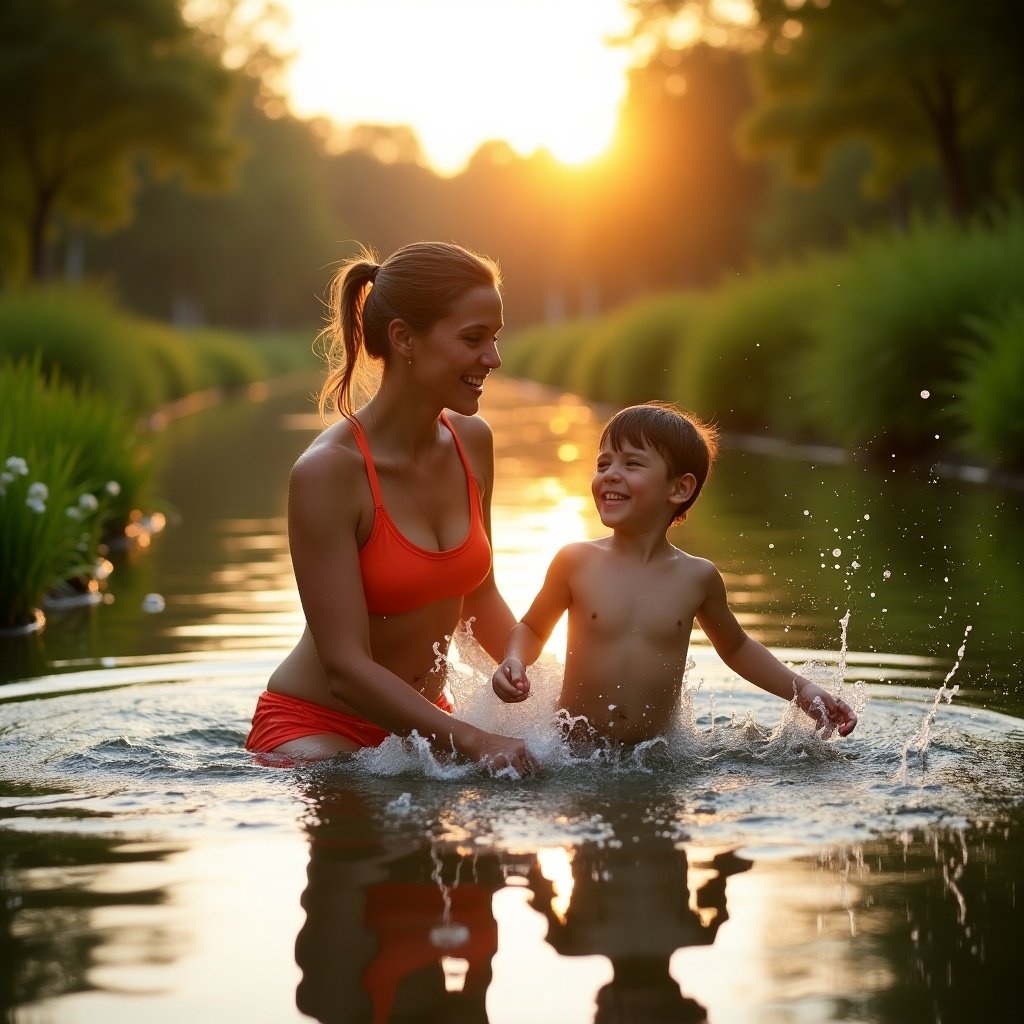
(16, 464)
(113, 488)
(88, 503)
(73, 512)
(6, 478)
(153, 603)
(36, 504)
(38, 491)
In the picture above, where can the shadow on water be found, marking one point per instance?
(744, 869)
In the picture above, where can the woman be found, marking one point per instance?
(389, 515)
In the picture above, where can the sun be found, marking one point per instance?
(536, 74)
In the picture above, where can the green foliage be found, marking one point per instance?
(890, 329)
(545, 352)
(80, 333)
(740, 362)
(72, 469)
(990, 394)
(225, 360)
(630, 356)
(254, 258)
(836, 348)
(137, 364)
(934, 83)
(89, 88)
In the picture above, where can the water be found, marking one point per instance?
(745, 869)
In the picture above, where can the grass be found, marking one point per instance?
(70, 474)
(906, 344)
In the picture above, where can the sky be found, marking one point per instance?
(535, 73)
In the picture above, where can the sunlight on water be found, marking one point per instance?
(207, 883)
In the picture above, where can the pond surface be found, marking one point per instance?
(743, 870)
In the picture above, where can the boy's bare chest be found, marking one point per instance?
(659, 607)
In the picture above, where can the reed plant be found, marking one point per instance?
(79, 332)
(71, 471)
(546, 352)
(225, 360)
(630, 355)
(989, 390)
(138, 364)
(740, 363)
(886, 348)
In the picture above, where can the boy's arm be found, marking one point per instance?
(758, 665)
(528, 636)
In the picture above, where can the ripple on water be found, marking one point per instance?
(738, 766)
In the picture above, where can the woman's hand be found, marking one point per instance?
(495, 752)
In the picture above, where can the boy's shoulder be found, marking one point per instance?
(694, 565)
(576, 553)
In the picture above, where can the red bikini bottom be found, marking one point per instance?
(279, 718)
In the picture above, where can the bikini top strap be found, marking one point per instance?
(371, 472)
(462, 452)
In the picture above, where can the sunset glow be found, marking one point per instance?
(533, 73)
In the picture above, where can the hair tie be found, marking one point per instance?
(373, 273)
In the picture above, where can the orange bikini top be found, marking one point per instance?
(398, 575)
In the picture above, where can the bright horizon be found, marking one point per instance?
(533, 73)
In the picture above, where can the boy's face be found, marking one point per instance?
(632, 487)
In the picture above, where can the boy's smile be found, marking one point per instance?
(633, 478)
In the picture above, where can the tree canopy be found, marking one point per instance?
(920, 81)
(89, 88)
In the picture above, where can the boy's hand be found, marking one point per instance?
(510, 682)
(829, 712)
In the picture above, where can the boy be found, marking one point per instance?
(633, 597)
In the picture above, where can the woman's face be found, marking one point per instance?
(453, 358)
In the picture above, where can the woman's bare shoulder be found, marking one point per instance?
(474, 431)
(331, 468)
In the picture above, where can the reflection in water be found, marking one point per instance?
(403, 929)
(883, 888)
(54, 892)
(394, 930)
(633, 905)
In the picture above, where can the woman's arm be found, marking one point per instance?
(492, 619)
(323, 524)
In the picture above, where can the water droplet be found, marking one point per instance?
(448, 936)
(886, 574)
(926, 394)
(836, 552)
(807, 511)
(866, 515)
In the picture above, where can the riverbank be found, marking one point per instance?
(902, 349)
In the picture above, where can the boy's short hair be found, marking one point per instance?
(683, 440)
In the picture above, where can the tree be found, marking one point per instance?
(256, 257)
(921, 81)
(89, 87)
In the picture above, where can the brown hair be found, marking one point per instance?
(683, 440)
(419, 283)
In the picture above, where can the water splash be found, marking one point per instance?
(920, 740)
(447, 934)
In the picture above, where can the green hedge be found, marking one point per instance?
(909, 344)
